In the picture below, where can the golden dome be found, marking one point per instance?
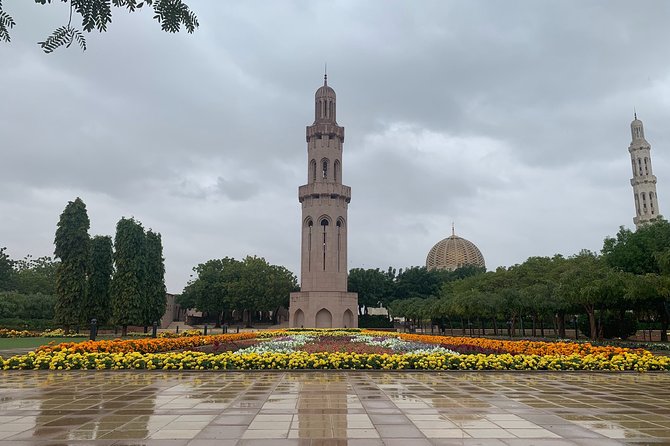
(454, 252)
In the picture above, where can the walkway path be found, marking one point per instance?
(333, 408)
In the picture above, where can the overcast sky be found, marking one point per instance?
(511, 119)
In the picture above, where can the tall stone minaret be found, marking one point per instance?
(643, 181)
(323, 300)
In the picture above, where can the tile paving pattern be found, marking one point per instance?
(333, 408)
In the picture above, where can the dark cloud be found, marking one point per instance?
(510, 119)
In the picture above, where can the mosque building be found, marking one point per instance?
(454, 252)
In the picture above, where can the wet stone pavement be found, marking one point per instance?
(333, 408)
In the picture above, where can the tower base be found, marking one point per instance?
(323, 309)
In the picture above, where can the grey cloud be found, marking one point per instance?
(509, 118)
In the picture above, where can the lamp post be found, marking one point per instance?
(94, 329)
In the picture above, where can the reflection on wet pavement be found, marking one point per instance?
(333, 408)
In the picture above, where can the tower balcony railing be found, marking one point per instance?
(325, 128)
(319, 189)
(643, 179)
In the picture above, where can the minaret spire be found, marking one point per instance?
(453, 230)
(644, 180)
(325, 74)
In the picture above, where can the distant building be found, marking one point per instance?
(173, 311)
(454, 252)
(643, 181)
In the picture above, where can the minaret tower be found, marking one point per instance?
(643, 181)
(323, 300)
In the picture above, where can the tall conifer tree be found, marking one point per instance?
(127, 292)
(154, 285)
(72, 248)
(100, 278)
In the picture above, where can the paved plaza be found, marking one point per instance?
(333, 408)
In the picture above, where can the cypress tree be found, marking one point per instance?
(72, 248)
(127, 293)
(154, 285)
(99, 279)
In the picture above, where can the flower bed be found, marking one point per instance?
(338, 349)
(523, 346)
(153, 345)
(57, 333)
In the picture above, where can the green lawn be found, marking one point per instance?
(10, 343)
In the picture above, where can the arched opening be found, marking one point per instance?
(336, 170)
(339, 242)
(324, 168)
(312, 169)
(324, 319)
(348, 319)
(324, 226)
(310, 225)
(298, 319)
(637, 204)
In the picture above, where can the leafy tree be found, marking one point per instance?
(418, 281)
(72, 248)
(7, 273)
(100, 269)
(588, 282)
(644, 252)
(261, 287)
(638, 252)
(97, 14)
(374, 287)
(127, 294)
(154, 279)
(536, 279)
(15, 305)
(246, 286)
(35, 276)
(209, 291)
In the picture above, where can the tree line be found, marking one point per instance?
(608, 292)
(120, 282)
(244, 287)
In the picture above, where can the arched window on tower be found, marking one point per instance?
(339, 243)
(637, 204)
(324, 168)
(336, 171)
(644, 202)
(310, 225)
(312, 169)
(324, 225)
(646, 167)
(639, 165)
